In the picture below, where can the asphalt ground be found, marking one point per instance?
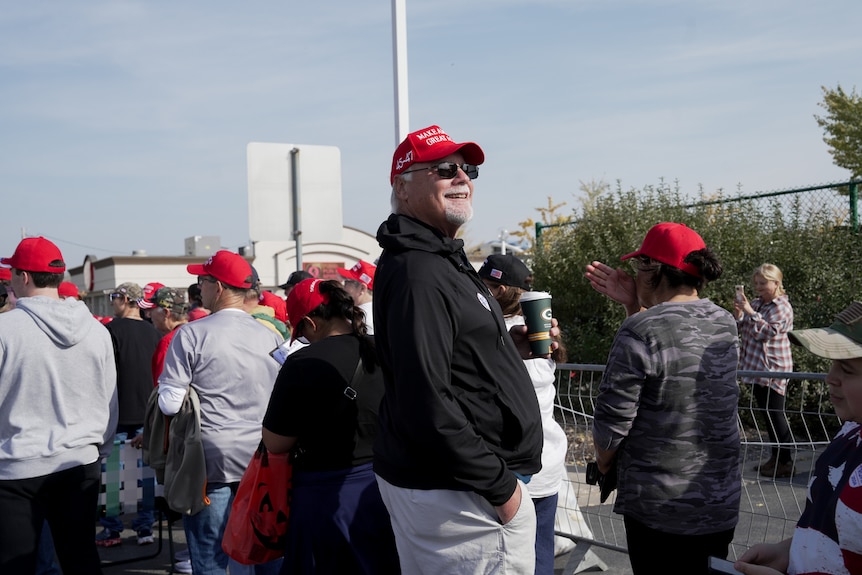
(129, 557)
(772, 494)
(132, 558)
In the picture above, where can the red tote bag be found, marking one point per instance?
(256, 530)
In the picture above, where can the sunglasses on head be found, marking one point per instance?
(448, 170)
(114, 296)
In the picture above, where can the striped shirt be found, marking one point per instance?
(765, 346)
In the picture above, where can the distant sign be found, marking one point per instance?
(324, 270)
(270, 202)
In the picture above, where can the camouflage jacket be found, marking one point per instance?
(670, 392)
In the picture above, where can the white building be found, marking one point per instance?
(295, 219)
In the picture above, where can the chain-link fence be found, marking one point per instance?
(836, 203)
(839, 200)
(770, 505)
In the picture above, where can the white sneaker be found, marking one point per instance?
(182, 562)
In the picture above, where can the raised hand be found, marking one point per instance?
(614, 283)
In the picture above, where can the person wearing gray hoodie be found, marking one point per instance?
(58, 411)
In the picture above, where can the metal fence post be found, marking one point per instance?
(854, 206)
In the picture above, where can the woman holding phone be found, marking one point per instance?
(763, 325)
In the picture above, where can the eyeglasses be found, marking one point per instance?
(202, 279)
(644, 264)
(114, 296)
(448, 170)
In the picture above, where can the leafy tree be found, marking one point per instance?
(842, 125)
(549, 216)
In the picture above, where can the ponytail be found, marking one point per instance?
(340, 304)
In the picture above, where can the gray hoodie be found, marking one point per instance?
(58, 388)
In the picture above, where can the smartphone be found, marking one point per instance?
(280, 353)
(723, 566)
(740, 293)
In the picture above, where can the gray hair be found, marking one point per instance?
(394, 204)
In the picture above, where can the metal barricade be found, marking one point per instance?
(127, 486)
(770, 506)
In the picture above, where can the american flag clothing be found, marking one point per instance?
(828, 537)
(765, 346)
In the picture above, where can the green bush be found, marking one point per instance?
(804, 236)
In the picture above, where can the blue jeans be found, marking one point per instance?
(146, 516)
(204, 532)
(142, 522)
(546, 512)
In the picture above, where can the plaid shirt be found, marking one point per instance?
(765, 346)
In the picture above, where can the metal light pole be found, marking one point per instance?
(297, 205)
(399, 61)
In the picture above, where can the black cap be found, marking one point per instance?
(506, 269)
(295, 278)
(255, 278)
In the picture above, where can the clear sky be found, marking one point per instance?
(124, 124)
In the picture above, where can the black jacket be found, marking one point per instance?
(459, 411)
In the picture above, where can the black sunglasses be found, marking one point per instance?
(448, 170)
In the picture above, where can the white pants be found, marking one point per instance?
(441, 531)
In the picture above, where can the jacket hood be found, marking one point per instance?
(65, 321)
(401, 233)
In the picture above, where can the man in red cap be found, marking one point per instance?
(147, 292)
(68, 289)
(358, 282)
(460, 420)
(135, 341)
(7, 297)
(58, 411)
(225, 358)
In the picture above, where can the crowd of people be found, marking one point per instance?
(419, 423)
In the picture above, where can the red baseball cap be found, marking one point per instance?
(68, 289)
(226, 267)
(36, 255)
(362, 272)
(269, 299)
(149, 291)
(670, 243)
(429, 144)
(304, 297)
(5, 274)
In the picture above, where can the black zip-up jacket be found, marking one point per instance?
(459, 411)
